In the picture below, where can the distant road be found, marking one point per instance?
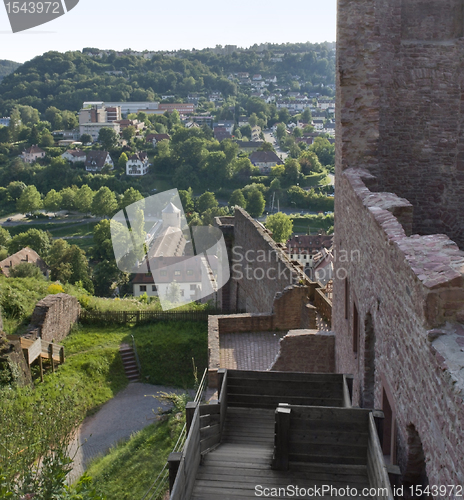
(268, 137)
(20, 220)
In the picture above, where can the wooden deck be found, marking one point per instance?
(242, 461)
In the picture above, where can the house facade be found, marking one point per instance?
(96, 160)
(265, 160)
(32, 154)
(74, 155)
(137, 164)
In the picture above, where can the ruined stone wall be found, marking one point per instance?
(400, 104)
(259, 266)
(406, 289)
(54, 316)
(308, 351)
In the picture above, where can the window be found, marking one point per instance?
(176, 273)
(143, 288)
(193, 287)
(189, 272)
(153, 288)
(182, 293)
(163, 273)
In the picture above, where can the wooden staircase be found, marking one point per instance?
(129, 362)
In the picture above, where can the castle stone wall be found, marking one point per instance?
(400, 104)
(54, 316)
(308, 351)
(405, 290)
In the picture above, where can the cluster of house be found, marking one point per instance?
(96, 115)
(94, 161)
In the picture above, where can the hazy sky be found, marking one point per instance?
(164, 25)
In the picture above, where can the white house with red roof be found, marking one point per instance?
(32, 154)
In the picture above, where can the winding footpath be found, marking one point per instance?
(128, 412)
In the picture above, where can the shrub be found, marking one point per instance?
(55, 288)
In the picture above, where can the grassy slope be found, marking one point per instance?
(130, 468)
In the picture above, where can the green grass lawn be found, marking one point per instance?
(128, 470)
(311, 224)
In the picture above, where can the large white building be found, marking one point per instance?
(137, 164)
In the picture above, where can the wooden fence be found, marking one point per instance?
(132, 317)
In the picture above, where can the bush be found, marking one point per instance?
(26, 270)
(55, 288)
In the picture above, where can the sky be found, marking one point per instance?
(162, 25)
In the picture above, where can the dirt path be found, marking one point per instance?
(128, 412)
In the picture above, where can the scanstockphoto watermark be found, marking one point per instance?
(252, 264)
(24, 15)
(295, 491)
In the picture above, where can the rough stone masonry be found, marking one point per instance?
(399, 227)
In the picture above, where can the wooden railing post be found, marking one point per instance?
(173, 465)
(282, 437)
(378, 419)
(220, 377)
(189, 412)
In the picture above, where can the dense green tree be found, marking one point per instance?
(29, 201)
(38, 240)
(255, 202)
(281, 131)
(107, 137)
(86, 139)
(103, 247)
(53, 115)
(128, 133)
(46, 140)
(4, 134)
(205, 201)
(186, 198)
(237, 199)
(52, 201)
(5, 237)
(275, 185)
(68, 196)
(104, 202)
(15, 189)
(106, 277)
(306, 116)
(83, 199)
(122, 161)
(324, 150)
(253, 120)
(292, 169)
(15, 124)
(310, 162)
(69, 264)
(280, 225)
(29, 115)
(131, 195)
(26, 270)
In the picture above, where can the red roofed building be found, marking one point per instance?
(32, 154)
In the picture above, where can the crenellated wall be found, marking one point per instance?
(405, 343)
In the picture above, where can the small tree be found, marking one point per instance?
(86, 139)
(107, 137)
(29, 201)
(26, 270)
(238, 199)
(205, 201)
(104, 202)
(52, 201)
(281, 226)
(255, 202)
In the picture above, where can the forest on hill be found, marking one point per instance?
(7, 67)
(66, 80)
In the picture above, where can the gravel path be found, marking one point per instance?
(128, 412)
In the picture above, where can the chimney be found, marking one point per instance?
(27, 258)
